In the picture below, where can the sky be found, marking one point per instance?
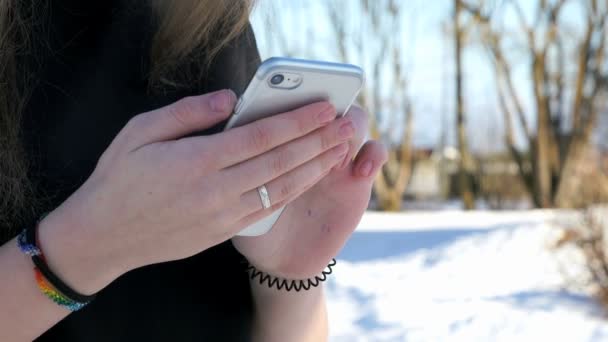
(429, 62)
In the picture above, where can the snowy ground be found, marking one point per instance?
(454, 276)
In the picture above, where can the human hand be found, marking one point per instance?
(314, 227)
(156, 196)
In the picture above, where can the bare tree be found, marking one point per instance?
(277, 35)
(374, 39)
(464, 175)
(376, 42)
(555, 147)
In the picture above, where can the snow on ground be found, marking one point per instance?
(455, 276)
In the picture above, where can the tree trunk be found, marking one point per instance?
(542, 188)
(556, 158)
(464, 181)
(390, 187)
(391, 202)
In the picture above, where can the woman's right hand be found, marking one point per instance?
(155, 196)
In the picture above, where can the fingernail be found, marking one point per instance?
(327, 115)
(365, 169)
(222, 101)
(346, 130)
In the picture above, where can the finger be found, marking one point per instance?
(242, 143)
(369, 160)
(260, 214)
(270, 165)
(292, 182)
(360, 120)
(176, 120)
(306, 188)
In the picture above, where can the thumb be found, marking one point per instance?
(181, 118)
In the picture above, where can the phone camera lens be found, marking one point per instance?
(277, 79)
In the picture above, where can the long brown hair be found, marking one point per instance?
(187, 30)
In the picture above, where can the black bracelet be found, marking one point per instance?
(297, 285)
(55, 281)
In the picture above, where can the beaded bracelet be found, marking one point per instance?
(297, 285)
(55, 295)
(51, 285)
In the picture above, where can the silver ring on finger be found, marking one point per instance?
(264, 196)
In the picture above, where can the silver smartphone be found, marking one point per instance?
(283, 84)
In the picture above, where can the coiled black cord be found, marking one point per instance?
(297, 285)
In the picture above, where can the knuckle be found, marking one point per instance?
(201, 160)
(212, 197)
(259, 137)
(196, 157)
(205, 162)
(302, 124)
(327, 139)
(132, 128)
(226, 218)
(326, 162)
(286, 189)
(183, 110)
(135, 123)
(277, 206)
(280, 163)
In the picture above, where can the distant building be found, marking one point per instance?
(425, 182)
(431, 173)
(435, 176)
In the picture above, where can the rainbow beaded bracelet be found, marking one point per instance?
(28, 244)
(55, 295)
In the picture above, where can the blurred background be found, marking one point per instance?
(488, 221)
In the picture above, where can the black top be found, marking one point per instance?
(93, 57)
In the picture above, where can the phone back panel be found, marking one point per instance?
(320, 81)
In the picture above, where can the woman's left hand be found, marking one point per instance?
(314, 227)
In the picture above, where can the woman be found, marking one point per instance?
(142, 208)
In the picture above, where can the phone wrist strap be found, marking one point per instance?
(286, 284)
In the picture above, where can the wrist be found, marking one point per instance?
(268, 297)
(289, 316)
(73, 255)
